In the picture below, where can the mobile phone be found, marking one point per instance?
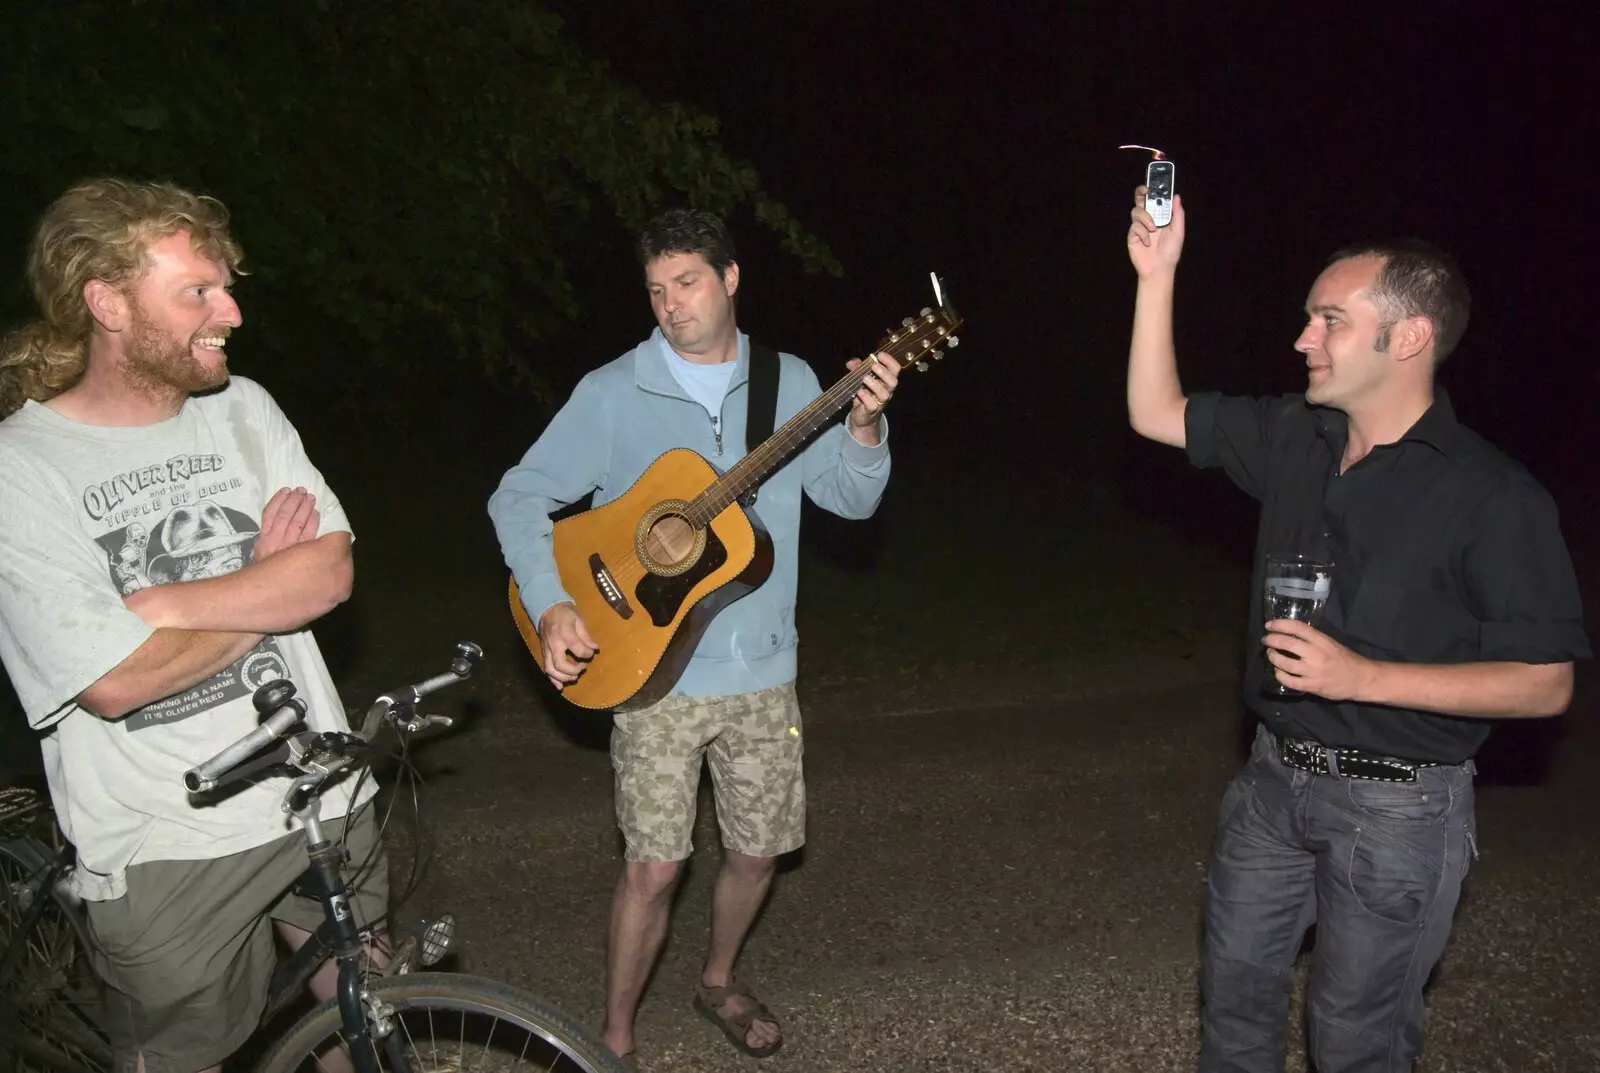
(1158, 191)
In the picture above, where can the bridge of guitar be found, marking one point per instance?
(610, 591)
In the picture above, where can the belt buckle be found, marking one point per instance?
(1302, 755)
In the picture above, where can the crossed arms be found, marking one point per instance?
(293, 578)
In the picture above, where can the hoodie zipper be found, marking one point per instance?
(716, 431)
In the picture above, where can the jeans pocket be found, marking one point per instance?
(1398, 802)
(1395, 875)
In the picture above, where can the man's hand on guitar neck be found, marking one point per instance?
(871, 398)
(566, 642)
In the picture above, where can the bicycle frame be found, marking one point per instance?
(317, 756)
(337, 935)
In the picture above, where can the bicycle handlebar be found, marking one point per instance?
(466, 657)
(204, 777)
(282, 709)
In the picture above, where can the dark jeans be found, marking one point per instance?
(1377, 866)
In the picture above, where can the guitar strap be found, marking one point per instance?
(762, 414)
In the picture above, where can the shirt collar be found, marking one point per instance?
(1437, 427)
(652, 373)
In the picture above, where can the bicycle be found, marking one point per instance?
(379, 1015)
(49, 994)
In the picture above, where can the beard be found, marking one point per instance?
(159, 362)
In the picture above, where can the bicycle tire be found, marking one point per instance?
(46, 1022)
(440, 995)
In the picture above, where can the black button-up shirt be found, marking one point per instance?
(1444, 549)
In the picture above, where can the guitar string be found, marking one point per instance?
(743, 474)
(699, 517)
(749, 470)
(795, 430)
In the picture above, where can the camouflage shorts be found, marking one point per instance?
(754, 744)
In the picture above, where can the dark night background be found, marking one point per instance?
(438, 202)
(979, 140)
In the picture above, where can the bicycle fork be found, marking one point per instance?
(360, 1026)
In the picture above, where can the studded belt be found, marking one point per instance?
(1321, 759)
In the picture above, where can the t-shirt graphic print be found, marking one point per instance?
(195, 540)
(91, 515)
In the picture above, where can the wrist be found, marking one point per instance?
(543, 623)
(868, 435)
(1375, 682)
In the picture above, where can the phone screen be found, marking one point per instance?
(1159, 180)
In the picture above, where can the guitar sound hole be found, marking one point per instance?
(671, 540)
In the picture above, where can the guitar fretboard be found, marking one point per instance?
(905, 347)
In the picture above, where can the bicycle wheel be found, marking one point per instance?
(444, 1023)
(48, 1002)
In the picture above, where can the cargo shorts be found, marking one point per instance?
(188, 952)
(753, 744)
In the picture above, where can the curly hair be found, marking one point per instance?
(100, 229)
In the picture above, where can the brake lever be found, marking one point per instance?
(409, 728)
(418, 723)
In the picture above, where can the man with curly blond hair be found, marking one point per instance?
(161, 531)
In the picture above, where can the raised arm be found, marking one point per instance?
(845, 469)
(1156, 403)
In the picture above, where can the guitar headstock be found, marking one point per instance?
(925, 337)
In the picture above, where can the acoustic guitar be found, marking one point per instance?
(650, 570)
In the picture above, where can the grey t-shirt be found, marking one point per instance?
(89, 514)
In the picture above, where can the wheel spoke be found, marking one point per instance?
(490, 1040)
(413, 1043)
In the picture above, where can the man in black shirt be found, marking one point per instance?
(1453, 602)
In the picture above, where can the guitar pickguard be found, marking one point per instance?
(661, 597)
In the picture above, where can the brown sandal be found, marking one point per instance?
(708, 1000)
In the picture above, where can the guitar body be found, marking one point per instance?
(648, 582)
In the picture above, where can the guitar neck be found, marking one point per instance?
(914, 344)
(778, 448)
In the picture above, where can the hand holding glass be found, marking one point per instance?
(1295, 587)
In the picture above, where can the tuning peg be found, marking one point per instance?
(953, 341)
(922, 366)
(907, 322)
(925, 311)
(937, 354)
